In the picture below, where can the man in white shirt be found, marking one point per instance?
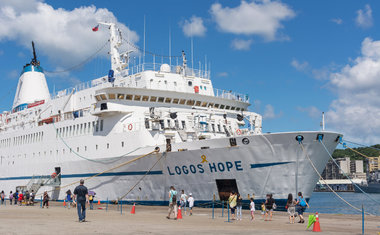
(183, 201)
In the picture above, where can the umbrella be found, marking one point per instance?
(91, 193)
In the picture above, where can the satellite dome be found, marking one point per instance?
(165, 68)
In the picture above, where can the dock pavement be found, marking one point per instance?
(152, 220)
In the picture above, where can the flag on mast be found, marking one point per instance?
(96, 28)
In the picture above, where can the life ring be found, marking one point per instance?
(238, 131)
(130, 127)
(53, 175)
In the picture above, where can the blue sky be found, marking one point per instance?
(295, 59)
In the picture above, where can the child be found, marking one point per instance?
(191, 203)
(263, 209)
(252, 207)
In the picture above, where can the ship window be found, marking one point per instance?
(103, 96)
(216, 106)
(85, 148)
(190, 83)
(168, 100)
(237, 109)
(205, 87)
(176, 124)
(175, 83)
(219, 130)
(120, 96)
(137, 97)
(97, 97)
(77, 149)
(201, 87)
(97, 126)
(204, 104)
(96, 147)
(190, 102)
(147, 126)
(232, 108)
(175, 101)
(81, 129)
(213, 127)
(210, 105)
(101, 125)
(111, 96)
(122, 144)
(145, 98)
(182, 101)
(162, 124)
(169, 124)
(160, 99)
(227, 107)
(108, 145)
(129, 97)
(222, 106)
(198, 103)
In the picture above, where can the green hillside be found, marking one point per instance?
(370, 152)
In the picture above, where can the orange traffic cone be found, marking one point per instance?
(179, 216)
(133, 211)
(317, 226)
(98, 202)
(64, 203)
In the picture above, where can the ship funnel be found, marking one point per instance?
(32, 86)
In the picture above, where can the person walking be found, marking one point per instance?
(2, 196)
(10, 198)
(91, 199)
(232, 203)
(301, 206)
(172, 202)
(291, 206)
(191, 203)
(183, 200)
(252, 207)
(239, 206)
(45, 200)
(269, 207)
(81, 196)
(15, 197)
(20, 198)
(26, 198)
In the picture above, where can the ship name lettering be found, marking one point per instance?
(214, 167)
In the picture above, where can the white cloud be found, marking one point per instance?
(364, 17)
(261, 18)
(222, 74)
(14, 74)
(337, 20)
(62, 35)
(194, 27)
(241, 44)
(356, 111)
(311, 111)
(300, 66)
(269, 112)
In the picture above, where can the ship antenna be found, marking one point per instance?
(34, 60)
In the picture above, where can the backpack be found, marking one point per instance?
(174, 198)
(90, 197)
(302, 202)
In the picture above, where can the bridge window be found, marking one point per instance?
(222, 106)
(129, 97)
(168, 100)
(198, 103)
(182, 101)
(103, 96)
(160, 99)
(153, 99)
(111, 96)
(175, 101)
(190, 102)
(120, 96)
(145, 98)
(204, 104)
(137, 97)
(216, 106)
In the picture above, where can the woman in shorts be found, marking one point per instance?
(301, 206)
(269, 207)
(291, 206)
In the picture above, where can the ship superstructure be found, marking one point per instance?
(208, 142)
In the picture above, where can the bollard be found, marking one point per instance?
(222, 208)
(107, 205)
(362, 219)
(228, 213)
(41, 202)
(121, 207)
(213, 207)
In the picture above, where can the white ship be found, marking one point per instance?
(208, 142)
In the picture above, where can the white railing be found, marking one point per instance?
(230, 95)
(173, 69)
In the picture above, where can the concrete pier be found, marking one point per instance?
(152, 220)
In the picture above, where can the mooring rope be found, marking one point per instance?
(162, 155)
(347, 175)
(336, 194)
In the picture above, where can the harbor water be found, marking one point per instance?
(328, 202)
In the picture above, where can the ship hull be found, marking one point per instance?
(257, 165)
(370, 188)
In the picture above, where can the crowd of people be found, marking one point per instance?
(19, 198)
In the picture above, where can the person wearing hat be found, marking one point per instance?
(191, 203)
(81, 196)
